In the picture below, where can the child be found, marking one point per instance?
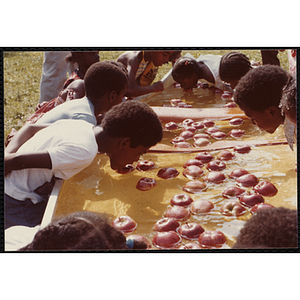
(40, 153)
(142, 68)
(269, 228)
(78, 231)
(217, 70)
(259, 95)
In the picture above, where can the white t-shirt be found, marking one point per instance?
(79, 109)
(72, 147)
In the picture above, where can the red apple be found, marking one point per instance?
(201, 142)
(201, 206)
(177, 212)
(200, 136)
(233, 191)
(208, 123)
(219, 135)
(177, 139)
(190, 246)
(204, 157)
(127, 169)
(182, 145)
(192, 172)
(187, 122)
(190, 231)
(236, 121)
(238, 173)
(216, 165)
(125, 224)
(215, 177)
(226, 96)
(225, 155)
(209, 239)
(212, 130)
(190, 128)
(248, 180)
(230, 104)
(250, 199)
(198, 125)
(166, 240)
(181, 200)
(146, 184)
(193, 162)
(242, 149)
(194, 186)
(166, 224)
(174, 102)
(236, 133)
(167, 173)
(145, 165)
(171, 126)
(232, 208)
(139, 238)
(266, 188)
(186, 134)
(259, 206)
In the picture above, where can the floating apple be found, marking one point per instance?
(226, 95)
(201, 206)
(238, 173)
(190, 246)
(233, 191)
(187, 122)
(204, 157)
(194, 186)
(236, 133)
(208, 123)
(219, 135)
(225, 155)
(145, 165)
(137, 238)
(174, 102)
(171, 126)
(242, 149)
(190, 231)
(248, 180)
(193, 162)
(212, 130)
(186, 134)
(260, 206)
(166, 240)
(230, 104)
(146, 184)
(200, 136)
(177, 139)
(166, 224)
(250, 199)
(232, 208)
(266, 188)
(192, 172)
(190, 128)
(209, 239)
(183, 145)
(198, 125)
(125, 224)
(236, 121)
(127, 169)
(167, 173)
(177, 213)
(201, 142)
(181, 200)
(215, 177)
(216, 165)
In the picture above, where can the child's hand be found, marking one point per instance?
(158, 86)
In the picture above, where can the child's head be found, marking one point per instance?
(185, 72)
(160, 58)
(233, 66)
(258, 94)
(269, 228)
(288, 103)
(105, 77)
(83, 59)
(136, 125)
(78, 231)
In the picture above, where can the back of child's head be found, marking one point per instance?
(233, 66)
(104, 77)
(184, 67)
(135, 120)
(78, 231)
(261, 88)
(269, 228)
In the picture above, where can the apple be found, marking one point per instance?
(218, 91)
(187, 122)
(230, 104)
(209, 239)
(259, 206)
(201, 142)
(166, 224)
(167, 173)
(237, 173)
(191, 245)
(192, 172)
(216, 165)
(177, 213)
(193, 162)
(181, 200)
(215, 177)
(236, 133)
(250, 199)
(125, 224)
(266, 188)
(225, 155)
(183, 145)
(190, 231)
(127, 169)
(242, 149)
(198, 125)
(248, 180)
(225, 95)
(166, 240)
(203, 85)
(137, 238)
(200, 136)
(208, 123)
(236, 122)
(190, 128)
(233, 191)
(186, 134)
(145, 165)
(146, 184)
(232, 208)
(201, 206)
(174, 102)
(171, 126)
(194, 186)
(177, 139)
(212, 130)
(204, 157)
(219, 135)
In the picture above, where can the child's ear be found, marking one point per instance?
(124, 142)
(112, 96)
(275, 111)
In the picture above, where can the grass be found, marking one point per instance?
(23, 70)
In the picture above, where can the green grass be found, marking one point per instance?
(23, 70)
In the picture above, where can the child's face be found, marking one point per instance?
(160, 58)
(91, 57)
(188, 83)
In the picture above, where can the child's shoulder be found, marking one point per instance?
(130, 56)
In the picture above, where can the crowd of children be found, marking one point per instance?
(91, 105)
